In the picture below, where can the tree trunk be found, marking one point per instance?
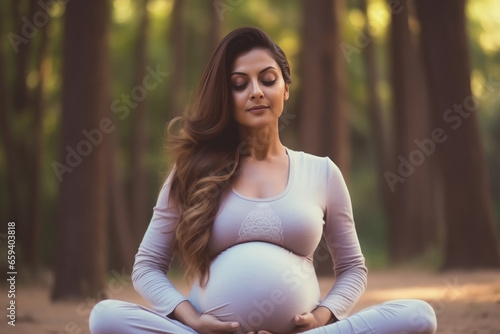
(11, 193)
(408, 235)
(124, 244)
(471, 236)
(21, 146)
(324, 120)
(213, 30)
(178, 40)
(381, 133)
(139, 176)
(32, 248)
(324, 125)
(81, 212)
(21, 93)
(427, 181)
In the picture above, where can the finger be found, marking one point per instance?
(226, 326)
(300, 320)
(230, 326)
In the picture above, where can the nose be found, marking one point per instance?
(256, 92)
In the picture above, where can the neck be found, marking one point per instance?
(260, 144)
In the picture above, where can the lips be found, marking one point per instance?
(258, 108)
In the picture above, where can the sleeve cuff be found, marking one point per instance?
(168, 311)
(335, 316)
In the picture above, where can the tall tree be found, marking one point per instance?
(122, 240)
(81, 210)
(471, 237)
(322, 102)
(22, 114)
(32, 237)
(11, 193)
(21, 91)
(409, 235)
(178, 42)
(324, 123)
(17, 146)
(139, 175)
(381, 131)
(427, 183)
(213, 30)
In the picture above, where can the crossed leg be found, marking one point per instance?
(404, 316)
(119, 317)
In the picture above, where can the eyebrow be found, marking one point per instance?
(241, 73)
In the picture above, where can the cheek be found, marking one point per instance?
(239, 100)
(277, 96)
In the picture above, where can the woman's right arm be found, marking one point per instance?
(155, 254)
(152, 262)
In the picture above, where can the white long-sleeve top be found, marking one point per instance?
(315, 202)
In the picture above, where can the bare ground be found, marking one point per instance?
(465, 302)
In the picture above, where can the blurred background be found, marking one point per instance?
(402, 95)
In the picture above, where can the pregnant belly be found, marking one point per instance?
(260, 285)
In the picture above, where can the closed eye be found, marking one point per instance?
(239, 87)
(243, 86)
(269, 83)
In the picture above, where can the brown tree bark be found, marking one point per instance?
(324, 126)
(121, 237)
(21, 92)
(24, 152)
(178, 42)
(139, 204)
(31, 243)
(82, 207)
(382, 132)
(427, 181)
(213, 30)
(11, 193)
(471, 236)
(21, 147)
(408, 232)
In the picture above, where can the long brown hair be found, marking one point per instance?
(205, 150)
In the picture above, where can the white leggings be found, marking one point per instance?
(404, 316)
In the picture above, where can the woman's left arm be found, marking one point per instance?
(343, 244)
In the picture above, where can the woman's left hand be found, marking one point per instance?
(305, 321)
(302, 323)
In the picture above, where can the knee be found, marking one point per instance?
(423, 317)
(103, 317)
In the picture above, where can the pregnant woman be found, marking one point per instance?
(245, 214)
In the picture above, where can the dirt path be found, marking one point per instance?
(465, 302)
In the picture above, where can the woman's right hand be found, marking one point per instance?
(208, 324)
(203, 323)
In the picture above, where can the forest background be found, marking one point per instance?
(402, 95)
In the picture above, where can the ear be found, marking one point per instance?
(286, 95)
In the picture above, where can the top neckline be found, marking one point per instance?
(275, 197)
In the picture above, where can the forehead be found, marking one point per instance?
(254, 60)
